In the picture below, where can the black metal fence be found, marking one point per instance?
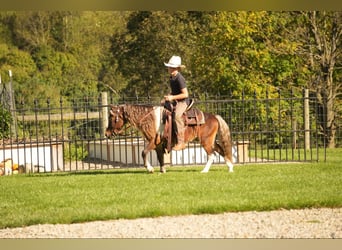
(69, 135)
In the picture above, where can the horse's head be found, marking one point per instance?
(116, 120)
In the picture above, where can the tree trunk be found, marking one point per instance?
(326, 33)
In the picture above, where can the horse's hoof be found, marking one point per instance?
(151, 170)
(204, 172)
(163, 170)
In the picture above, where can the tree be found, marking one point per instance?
(244, 51)
(33, 28)
(69, 49)
(88, 40)
(150, 39)
(322, 51)
(11, 58)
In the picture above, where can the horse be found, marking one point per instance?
(213, 134)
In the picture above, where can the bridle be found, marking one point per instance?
(116, 114)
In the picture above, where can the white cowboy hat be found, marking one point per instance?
(174, 62)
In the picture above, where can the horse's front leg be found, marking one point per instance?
(144, 154)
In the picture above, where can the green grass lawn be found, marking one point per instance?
(132, 193)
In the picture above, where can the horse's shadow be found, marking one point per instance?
(110, 168)
(110, 172)
(175, 169)
(121, 171)
(138, 171)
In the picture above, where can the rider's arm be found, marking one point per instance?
(184, 94)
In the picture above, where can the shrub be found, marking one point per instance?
(75, 152)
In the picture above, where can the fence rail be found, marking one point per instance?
(70, 137)
(58, 117)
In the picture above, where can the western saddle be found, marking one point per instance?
(192, 117)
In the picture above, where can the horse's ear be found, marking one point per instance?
(122, 108)
(111, 106)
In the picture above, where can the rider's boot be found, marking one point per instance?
(180, 141)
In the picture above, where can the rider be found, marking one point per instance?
(179, 96)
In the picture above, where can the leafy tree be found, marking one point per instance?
(321, 52)
(68, 51)
(237, 51)
(33, 29)
(88, 40)
(151, 38)
(20, 62)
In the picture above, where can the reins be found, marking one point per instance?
(126, 127)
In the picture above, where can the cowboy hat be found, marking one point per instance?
(174, 62)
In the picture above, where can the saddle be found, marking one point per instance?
(191, 116)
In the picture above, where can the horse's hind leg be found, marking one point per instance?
(208, 146)
(209, 162)
(230, 165)
(227, 156)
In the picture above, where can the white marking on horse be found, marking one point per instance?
(149, 167)
(230, 166)
(208, 165)
(157, 121)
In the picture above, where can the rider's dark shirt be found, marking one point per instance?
(177, 83)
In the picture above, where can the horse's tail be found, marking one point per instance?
(223, 139)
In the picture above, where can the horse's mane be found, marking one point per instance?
(140, 116)
(140, 105)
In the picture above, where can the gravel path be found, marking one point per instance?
(306, 223)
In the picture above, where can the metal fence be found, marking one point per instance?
(69, 136)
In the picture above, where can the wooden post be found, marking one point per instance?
(104, 113)
(306, 120)
(12, 105)
(294, 136)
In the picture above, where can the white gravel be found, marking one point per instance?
(305, 223)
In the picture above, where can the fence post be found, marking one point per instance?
(306, 120)
(294, 136)
(104, 113)
(12, 105)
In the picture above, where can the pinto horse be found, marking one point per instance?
(214, 134)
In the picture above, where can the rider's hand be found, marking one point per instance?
(168, 98)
